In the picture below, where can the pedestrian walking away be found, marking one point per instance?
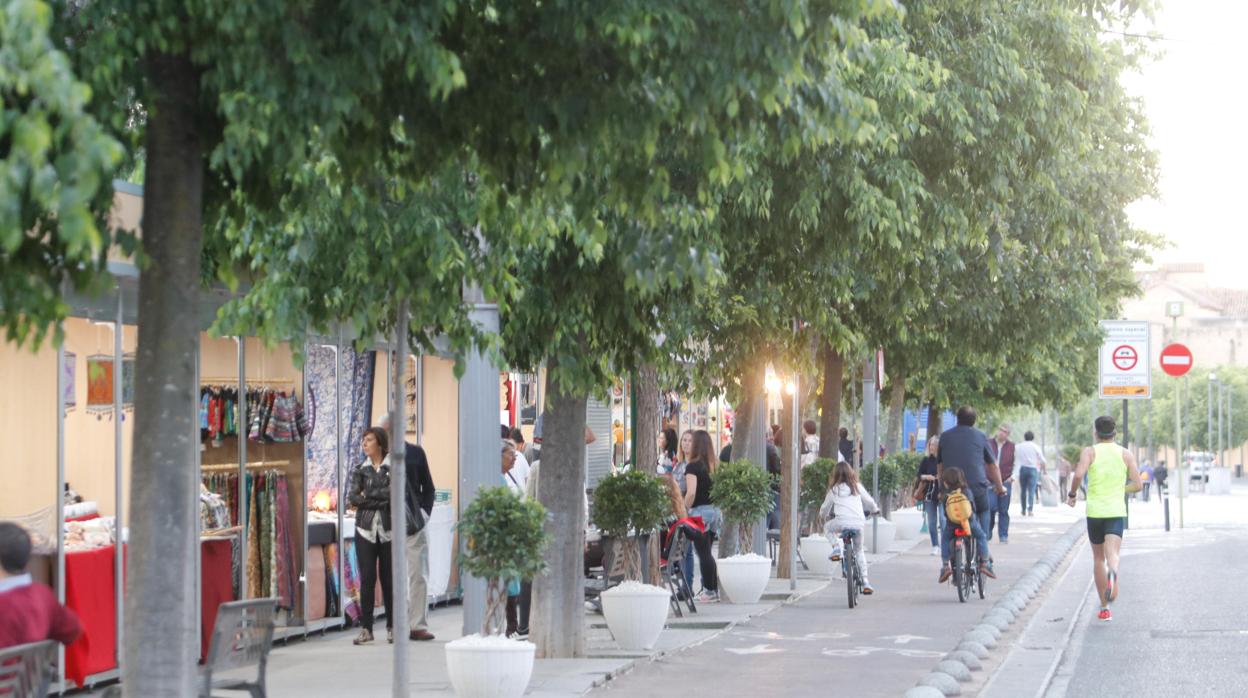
(927, 494)
(1112, 473)
(1031, 464)
(966, 448)
(1003, 452)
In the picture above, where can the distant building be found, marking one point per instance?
(1214, 324)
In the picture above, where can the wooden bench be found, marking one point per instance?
(241, 637)
(26, 670)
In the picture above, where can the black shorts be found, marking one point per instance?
(1099, 528)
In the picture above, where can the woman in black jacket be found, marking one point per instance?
(370, 495)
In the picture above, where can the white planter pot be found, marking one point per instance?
(1219, 481)
(815, 552)
(888, 532)
(636, 614)
(742, 578)
(489, 667)
(909, 522)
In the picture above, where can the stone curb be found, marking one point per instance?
(979, 642)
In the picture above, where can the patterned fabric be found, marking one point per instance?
(321, 450)
(351, 567)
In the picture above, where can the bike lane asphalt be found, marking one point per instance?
(817, 644)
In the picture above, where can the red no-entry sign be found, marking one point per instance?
(1176, 359)
(1125, 358)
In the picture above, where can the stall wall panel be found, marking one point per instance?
(27, 429)
(598, 454)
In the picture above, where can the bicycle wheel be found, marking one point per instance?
(851, 572)
(959, 571)
(979, 577)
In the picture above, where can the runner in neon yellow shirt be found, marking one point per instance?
(1112, 473)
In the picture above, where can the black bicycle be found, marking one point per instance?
(849, 564)
(968, 574)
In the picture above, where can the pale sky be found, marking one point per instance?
(1195, 97)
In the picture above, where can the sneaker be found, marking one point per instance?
(1105, 615)
(365, 637)
(1111, 589)
(521, 634)
(390, 635)
(935, 550)
(707, 596)
(1005, 541)
(945, 573)
(986, 568)
(836, 555)
(867, 589)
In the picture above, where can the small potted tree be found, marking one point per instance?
(814, 487)
(899, 476)
(742, 491)
(627, 506)
(504, 538)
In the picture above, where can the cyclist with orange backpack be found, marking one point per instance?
(960, 513)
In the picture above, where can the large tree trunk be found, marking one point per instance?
(646, 455)
(558, 623)
(830, 418)
(160, 646)
(749, 442)
(646, 447)
(933, 420)
(788, 468)
(896, 413)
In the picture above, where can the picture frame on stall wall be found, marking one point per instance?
(99, 383)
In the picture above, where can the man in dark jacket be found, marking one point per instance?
(1003, 451)
(420, 495)
(29, 611)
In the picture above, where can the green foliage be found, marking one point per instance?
(627, 505)
(630, 503)
(55, 163)
(815, 479)
(897, 471)
(742, 491)
(504, 536)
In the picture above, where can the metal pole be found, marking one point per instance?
(1209, 414)
(1126, 440)
(119, 574)
(340, 475)
(60, 501)
(398, 506)
(870, 438)
(795, 468)
(1221, 389)
(1178, 438)
(242, 424)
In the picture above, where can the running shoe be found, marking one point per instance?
(935, 550)
(945, 573)
(707, 596)
(1111, 589)
(1105, 615)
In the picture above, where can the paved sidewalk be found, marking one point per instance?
(330, 665)
(817, 646)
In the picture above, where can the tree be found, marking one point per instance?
(55, 161)
(597, 291)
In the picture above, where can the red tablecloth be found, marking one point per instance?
(89, 584)
(217, 585)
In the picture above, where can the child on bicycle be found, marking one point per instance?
(845, 508)
(960, 513)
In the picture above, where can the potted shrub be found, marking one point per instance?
(897, 474)
(742, 491)
(627, 506)
(504, 539)
(814, 486)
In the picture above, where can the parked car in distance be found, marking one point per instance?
(1197, 464)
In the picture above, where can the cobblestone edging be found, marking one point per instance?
(946, 677)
